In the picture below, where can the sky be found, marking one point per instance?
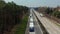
(36, 3)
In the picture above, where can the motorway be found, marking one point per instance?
(50, 26)
(37, 29)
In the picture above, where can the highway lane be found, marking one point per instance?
(49, 25)
(31, 32)
(27, 29)
(37, 26)
(37, 29)
(29, 22)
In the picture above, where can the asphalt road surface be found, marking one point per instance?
(50, 26)
(37, 26)
(37, 29)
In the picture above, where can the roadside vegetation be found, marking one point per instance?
(51, 12)
(10, 15)
(22, 27)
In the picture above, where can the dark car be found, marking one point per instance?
(31, 29)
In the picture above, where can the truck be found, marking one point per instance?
(31, 27)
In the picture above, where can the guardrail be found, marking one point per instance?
(42, 27)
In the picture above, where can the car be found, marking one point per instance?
(41, 15)
(31, 19)
(30, 15)
(31, 27)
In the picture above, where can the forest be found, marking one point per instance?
(10, 15)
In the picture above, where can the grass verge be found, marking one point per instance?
(22, 27)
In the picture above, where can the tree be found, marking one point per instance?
(49, 11)
(10, 15)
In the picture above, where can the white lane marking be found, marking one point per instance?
(31, 32)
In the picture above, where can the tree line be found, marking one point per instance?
(54, 12)
(10, 15)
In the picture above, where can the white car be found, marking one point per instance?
(31, 19)
(41, 15)
(30, 15)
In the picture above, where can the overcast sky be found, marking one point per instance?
(36, 3)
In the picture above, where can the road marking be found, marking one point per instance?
(31, 32)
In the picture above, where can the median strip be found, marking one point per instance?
(42, 27)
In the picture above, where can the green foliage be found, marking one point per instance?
(10, 14)
(22, 27)
(51, 12)
(56, 14)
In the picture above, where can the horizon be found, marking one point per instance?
(36, 3)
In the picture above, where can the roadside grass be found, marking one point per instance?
(22, 27)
